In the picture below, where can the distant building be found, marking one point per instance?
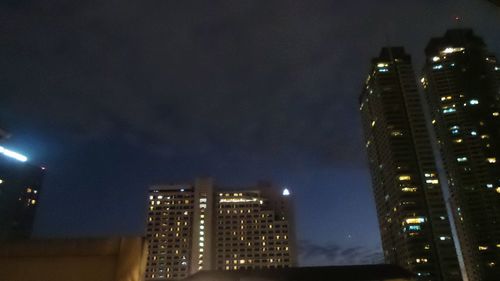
(380, 272)
(115, 259)
(462, 81)
(20, 184)
(193, 227)
(414, 224)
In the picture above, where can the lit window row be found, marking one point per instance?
(415, 220)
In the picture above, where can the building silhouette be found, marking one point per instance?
(462, 82)
(20, 184)
(200, 226)
(414, 224)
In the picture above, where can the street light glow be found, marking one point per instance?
(13, 154)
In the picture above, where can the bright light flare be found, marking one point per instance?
(12, 154)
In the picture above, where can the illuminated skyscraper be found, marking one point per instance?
(412, 215)
(20, 183)
(462, 81)
(198, 226)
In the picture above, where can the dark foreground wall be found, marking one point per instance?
(117, 259)
(380, 272)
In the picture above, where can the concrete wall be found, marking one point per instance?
(122, 259)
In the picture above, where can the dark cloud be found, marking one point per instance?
(333, 254)
(260, 76)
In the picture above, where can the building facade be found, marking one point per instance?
(20, 184)
(200, 226)
(414, 224)
(462, 82)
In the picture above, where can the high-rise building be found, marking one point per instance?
(20, 184)
(462, 81)
(193, 227)
(412, 214)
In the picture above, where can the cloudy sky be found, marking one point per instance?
(112, 96)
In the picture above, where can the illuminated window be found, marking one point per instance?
(432, 181)
(396, 133)
(483, 248)
(435, 59)
(416, 220)
(381, 65)
(409, 189)
(414, 228)
(438, 66)
(449, 110)
(450, 50)
(462, 159)
(404, 178)
(421, 260)
(495, 114)
(457, 140)
(491, 160)
(383, 70)
(473, 102)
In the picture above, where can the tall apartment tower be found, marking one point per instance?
(413, 219)
(462, 81)
(199, 226)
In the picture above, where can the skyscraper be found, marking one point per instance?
(462, 81)
(414, 224)
(199, 226)
(20, 183)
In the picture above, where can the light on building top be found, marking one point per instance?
(12, 154)
(451, 50)
(286, 192)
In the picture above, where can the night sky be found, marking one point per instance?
(112, 96)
